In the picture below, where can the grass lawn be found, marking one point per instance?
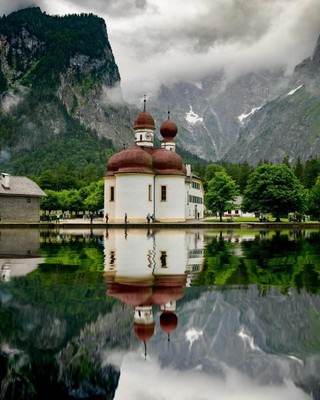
(243, 219)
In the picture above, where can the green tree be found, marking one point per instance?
(314, 200)
(50, 202)
(221, 193)
(95, 199)
(239, 173)
(311, 172)
(91, 173)
(299, 170)
(71, 200)
(47, 180)
(211, 170)
(275, 189)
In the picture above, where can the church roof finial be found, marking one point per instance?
(144, 102)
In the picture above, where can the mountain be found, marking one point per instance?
(287, 126)
(61, 104)
(264, 115)
(208, 113)
(61, 101)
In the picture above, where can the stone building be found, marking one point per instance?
(19, 199)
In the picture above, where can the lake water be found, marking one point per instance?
(159, 314)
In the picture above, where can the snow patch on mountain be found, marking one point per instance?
(244, 116)
(294, 90)
(192, 118)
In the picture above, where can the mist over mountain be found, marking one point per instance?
(211, 113)
(61, 102)
(266, 115)
(288, 125)
(60, 89)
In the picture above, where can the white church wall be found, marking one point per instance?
(172, 209)
(171, 254)
(132, 197)
(135, 256)
(109, 206)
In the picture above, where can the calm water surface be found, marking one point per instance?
(159, 315)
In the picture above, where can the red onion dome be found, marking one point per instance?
(168, 321)
(167, 162)
(162, 296)
(168, 129)
(113, 163)
(144, 120)
(132, 160)
(144, 332)
(134, 295)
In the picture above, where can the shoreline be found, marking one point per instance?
(194, 224)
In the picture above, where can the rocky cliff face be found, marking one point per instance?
(211, 113)
(57, 72)
(288, 125)
(259, 116)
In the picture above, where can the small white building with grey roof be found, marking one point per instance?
(19, 199)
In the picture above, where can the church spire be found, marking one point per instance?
(144, 127)
(144, 102)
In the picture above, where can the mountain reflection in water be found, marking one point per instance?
(162, 314)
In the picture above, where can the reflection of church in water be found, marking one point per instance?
(152, 271)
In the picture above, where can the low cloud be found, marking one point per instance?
(236, 37)
(164, 42)
(195, 384)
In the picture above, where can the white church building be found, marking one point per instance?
(144, 180)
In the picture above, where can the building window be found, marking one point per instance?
(196, 185)
(194, 199)
(111, 193)
(163, 193)
(163, 259)
(28, 200)
(150, 192)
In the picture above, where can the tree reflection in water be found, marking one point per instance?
(241, 310)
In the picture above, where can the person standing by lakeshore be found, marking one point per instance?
(125, 218)
(107, 217)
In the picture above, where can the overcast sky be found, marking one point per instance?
(164, 41)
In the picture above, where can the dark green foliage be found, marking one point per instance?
(311, 172)
(88, 198)
(60, 38)
(198, 164)
(50, 309)
(221, 193)
(299, 169)
(66, 156)
(239, 172)
(314, 200)
(3, 81)
(275, 189)
(39, 137)
(281, 260)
